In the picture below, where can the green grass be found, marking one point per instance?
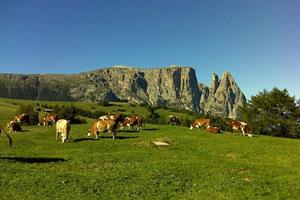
(113, 108)
(196, 165)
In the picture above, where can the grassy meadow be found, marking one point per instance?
(196, 164)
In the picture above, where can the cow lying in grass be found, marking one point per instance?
(213, 129)
(13, 126)
(63, 128)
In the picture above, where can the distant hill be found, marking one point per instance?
(172, 86)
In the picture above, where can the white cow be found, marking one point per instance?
(63, 128)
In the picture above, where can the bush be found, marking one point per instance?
(154, 117)
(186, 121)
(70, 113)
(220, 123)
(104, 103)
(132, 105)
(29, 110)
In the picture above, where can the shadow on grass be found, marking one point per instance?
(82, 139)
(118, 137)
(128, 131)
(151, 129)
(33, 159)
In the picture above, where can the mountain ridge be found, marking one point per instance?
(173, 86)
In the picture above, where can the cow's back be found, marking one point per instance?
(63, 125)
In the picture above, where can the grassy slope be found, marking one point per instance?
(197, 165)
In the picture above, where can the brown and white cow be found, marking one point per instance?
(200, 122)
(63, 128)
(133, 120)
(13, 126)
(22, 118)
(49, 119)
(102, 126)
(117, 117)
(243, 127)
(173, 120)
(213, 129)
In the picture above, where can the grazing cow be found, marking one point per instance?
(49, 119)
(101, 126)
(213, 129)
(22, 118)
(63, 128)
(117, 117)
(105, 117)
(240, 126)
(133, 120)
(173, 120)
(13, 126)
(200, 122)
(8, 137)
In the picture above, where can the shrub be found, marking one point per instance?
(29, 110)
(104, 103)
(186, 121)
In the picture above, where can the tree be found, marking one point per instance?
(273, 113)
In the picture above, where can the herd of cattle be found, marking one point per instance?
(111, 123)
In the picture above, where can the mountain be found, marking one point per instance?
(223, 96)
(169, 86)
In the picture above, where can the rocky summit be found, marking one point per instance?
(172, 86)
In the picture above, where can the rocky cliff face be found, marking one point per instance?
(171, 86)
(223, 97)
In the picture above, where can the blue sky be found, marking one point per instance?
(256, 40)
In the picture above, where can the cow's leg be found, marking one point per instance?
(114, 135)
(243, 132)
(57, 135)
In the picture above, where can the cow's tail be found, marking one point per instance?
(7, 135)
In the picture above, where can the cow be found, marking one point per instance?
(117, 117)
(8, 137)
(243, 127)
(133, 120)
(105, 117)
(13, 126)
(101, 126)
(173, 120)
(49, 119)
(22, 118)
(63, 128)
(213, 129)
(200, 122)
